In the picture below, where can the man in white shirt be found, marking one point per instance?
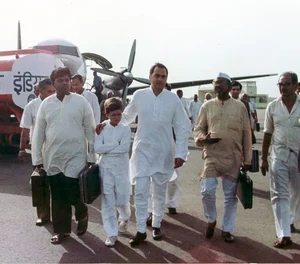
(63, 144)
(282, 132)
(27, 124)
(159, 110)
(183, 102)
(77, 85)
(194, 108)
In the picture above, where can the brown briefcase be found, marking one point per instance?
(39, 187)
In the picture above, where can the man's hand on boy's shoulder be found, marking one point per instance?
(100, 127)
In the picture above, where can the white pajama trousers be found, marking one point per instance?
(141, 195)
(285, 193)
(173, 195)
(110, 204)
(208, 192)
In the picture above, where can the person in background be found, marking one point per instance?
(36, 90)
(194, 109)
(27, 124)
(207, 97)
(282, 133)
(63, 145)
(113, 144)
(97, 84)
(77, 85)
(223, 130)
(183, 102)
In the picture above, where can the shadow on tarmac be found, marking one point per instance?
(213, 250)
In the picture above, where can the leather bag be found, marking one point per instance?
(245, 190)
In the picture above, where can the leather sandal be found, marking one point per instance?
(56, 239)
(82, 226)
(285, 241)
(209, 231)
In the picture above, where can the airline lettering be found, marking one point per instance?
(25, 82)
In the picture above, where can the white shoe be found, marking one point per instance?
(110, 241)
(123, 226)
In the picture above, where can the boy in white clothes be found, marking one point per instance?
(113, 145)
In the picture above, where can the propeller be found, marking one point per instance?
(124, 75)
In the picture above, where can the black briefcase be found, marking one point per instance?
(257, 127)
(255, 161)
(244, 190)
(39, 187)
(89, 180)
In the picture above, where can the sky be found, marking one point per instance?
(195, 39)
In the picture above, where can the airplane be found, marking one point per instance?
(21, 69)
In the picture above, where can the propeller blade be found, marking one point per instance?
(124, 94)
(107, 72)
(131, 90)
(131, 56)
(142, 80)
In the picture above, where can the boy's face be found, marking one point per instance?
(114, 117)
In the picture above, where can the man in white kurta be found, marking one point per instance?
(158, 110)
(194, 109)
(282, 132)
(223, 130)
(113, 144)
(27, 124)
(77, 86)
(63, 144)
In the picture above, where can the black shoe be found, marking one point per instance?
(138, 238)
(172, 210)
(149, 220)
(156, 233)
(293, 229)
(209, 231)
(228, 237)
(42, 221)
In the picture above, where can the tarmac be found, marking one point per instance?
(183, 241)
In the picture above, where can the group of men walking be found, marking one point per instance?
(63, 143)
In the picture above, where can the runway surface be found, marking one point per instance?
(183, 242)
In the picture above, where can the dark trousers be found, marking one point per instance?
(65, 193)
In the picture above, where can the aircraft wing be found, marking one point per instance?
(178, 85)
(98, 59)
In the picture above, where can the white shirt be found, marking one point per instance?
(194, 108)
(152, 146)
(184, 104)
(29, 115)
(64, 131)
(93, 100)
(284, 127)
(113, 144)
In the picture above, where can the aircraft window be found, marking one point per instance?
(53, 49)
(68, 50)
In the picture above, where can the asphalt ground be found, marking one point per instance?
(183, 241)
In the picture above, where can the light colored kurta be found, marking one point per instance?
(228, 120)
(194, 109)
(29, 115)
(64, 131)
(93, 100)
(152, 146)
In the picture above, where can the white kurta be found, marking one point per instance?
(152, 146)
(185, 106)
(93, 100)
(64, 136)
(113, 144)
(194, 108)
(29, 115)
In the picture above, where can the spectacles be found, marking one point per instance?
(221, 83)
(284, 84)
